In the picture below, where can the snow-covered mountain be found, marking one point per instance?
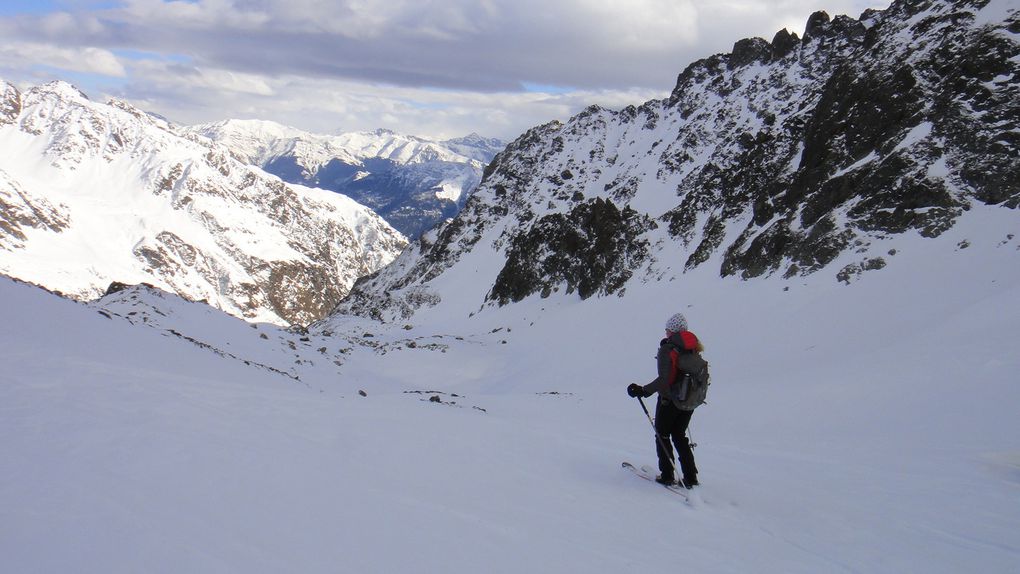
(791, 157)
(414, 183)
(94, 193)
(855, 423)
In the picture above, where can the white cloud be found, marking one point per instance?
(435, 67)
(203, 15)
(220, 81)
(188, 95)
(88, 60)
(639, 25)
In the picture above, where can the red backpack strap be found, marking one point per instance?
(690, 340)
(674, 358)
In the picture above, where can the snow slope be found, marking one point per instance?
(865, 428)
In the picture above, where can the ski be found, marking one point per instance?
(647, 474)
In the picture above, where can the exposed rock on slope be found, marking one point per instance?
(785, 157)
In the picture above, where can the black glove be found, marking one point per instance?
(635, 390)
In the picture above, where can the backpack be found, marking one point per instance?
(690, 387)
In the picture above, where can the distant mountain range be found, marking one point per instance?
(96, 193)
(413, 183)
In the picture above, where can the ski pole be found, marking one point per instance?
(658, 437)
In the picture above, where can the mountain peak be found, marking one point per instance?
(788, 158)
(248, 128)
(62, 90)
(10, 102)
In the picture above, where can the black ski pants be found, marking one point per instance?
(671, 423)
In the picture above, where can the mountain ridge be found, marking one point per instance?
(94, 193)
(781, 158)
(414, 183)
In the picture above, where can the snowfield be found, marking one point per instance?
(868, 427)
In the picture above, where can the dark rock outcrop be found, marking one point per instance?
(593, 249)
(749, 51)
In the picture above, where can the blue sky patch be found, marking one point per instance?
(11, 7)
(14, 7)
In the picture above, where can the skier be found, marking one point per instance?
(672, 413)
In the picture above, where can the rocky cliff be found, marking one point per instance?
(787, 158)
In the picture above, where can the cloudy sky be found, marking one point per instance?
(437, 68)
